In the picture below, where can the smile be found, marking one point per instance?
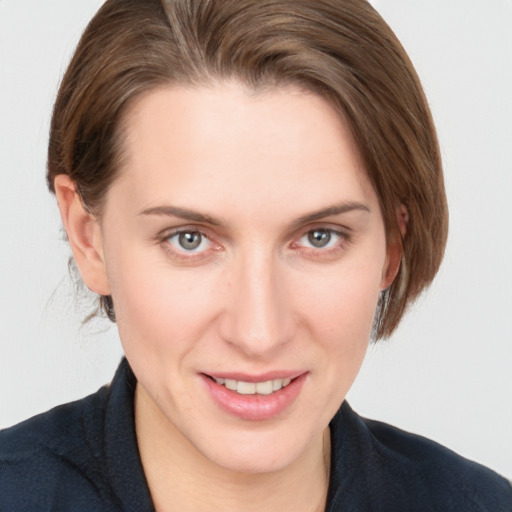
(253, 388)
(266, 397)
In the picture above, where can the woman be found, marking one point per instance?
(250, 188)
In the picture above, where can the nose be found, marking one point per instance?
(258, 318)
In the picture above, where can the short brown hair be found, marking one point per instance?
(341, 50)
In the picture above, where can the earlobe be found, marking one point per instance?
(84, 234)
(392, 265)
(394, 249)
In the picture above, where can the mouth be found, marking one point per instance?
(267, 387)
(261, 398)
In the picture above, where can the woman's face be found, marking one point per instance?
(245, 252)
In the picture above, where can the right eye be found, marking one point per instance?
(189, 241)
(320, 238)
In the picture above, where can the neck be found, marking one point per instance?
(181, 478)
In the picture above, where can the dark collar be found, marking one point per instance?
(122, 454)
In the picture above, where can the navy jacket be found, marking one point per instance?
(83, 456)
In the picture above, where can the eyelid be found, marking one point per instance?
(331, 231)
(176, 235)
(182, 254)
(170, 231)
(343, 233)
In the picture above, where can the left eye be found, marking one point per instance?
(320, 238)
(189, 241)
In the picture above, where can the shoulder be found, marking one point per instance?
(448, 477)
(415, 473)
(52, 455)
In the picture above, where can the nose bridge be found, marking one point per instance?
(259, 317)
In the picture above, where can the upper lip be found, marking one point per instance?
(261, 377)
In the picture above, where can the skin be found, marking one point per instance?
(256, 295)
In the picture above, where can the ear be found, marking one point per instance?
(84, 234)
(394, 249)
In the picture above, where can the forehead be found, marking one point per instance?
(226, 145)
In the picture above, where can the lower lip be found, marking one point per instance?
(254, 407)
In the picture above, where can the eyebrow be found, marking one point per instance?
(337, 209)
(184, 213)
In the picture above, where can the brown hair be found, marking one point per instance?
(341, 50)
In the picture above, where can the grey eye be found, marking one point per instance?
(190, 240)
(319, 238)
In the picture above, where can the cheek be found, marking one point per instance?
(157, 308)
(341, 304)
(338, 312)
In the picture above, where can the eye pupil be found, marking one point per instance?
(319, 237)
(190, 240)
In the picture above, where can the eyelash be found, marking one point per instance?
(343, 239)
(183, 254)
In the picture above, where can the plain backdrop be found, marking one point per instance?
(446, 374)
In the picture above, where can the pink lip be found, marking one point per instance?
(254, 407)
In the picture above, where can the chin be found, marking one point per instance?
(255, 452)
(251, 463)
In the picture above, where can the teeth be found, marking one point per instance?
(251, 388)
(230, 384)
(246, 388)
(264, 388)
